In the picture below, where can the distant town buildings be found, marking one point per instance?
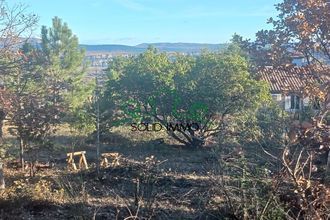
(300, 60)
(98, 63)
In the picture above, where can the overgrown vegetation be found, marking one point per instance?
(226, 150)
(156, 88)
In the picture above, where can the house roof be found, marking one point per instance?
(290, 79)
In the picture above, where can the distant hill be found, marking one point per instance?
(117, 48)
(112, 48)
(183, 47)
(163, 47)
(17, 43)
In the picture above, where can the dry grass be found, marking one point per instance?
(170, 184)
(154, 180)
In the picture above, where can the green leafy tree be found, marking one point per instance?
(63, 63)
(48, 86)
(32, 112)
(209, 90)
(16, 26)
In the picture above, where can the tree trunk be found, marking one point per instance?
(327, 172)
(2, 177)
(22, 153)
(2, 117)
(1, 125)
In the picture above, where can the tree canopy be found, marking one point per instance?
(210, 90)
(47, 87)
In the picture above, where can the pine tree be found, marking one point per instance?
(48, 87)
(64, 64)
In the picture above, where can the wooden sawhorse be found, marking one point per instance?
(82, 160)
(114, 157)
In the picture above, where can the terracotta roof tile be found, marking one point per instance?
(292, 79)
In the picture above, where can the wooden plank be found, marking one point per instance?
(114, 159)
(78, 153)
(2, 177)
(71, 163)
(104, 162)
(80, 162)
(84, 161)
(110, 154)
(74, 166)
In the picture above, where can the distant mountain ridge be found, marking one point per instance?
(163, 47)
(111, 48)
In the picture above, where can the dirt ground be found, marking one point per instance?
(154, 180)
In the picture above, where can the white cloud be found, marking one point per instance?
(133, 5)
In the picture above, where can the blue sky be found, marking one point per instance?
(138, 21)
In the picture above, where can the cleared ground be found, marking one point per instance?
(154, 179)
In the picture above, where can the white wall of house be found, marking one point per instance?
(285, 102)
(277, 97)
